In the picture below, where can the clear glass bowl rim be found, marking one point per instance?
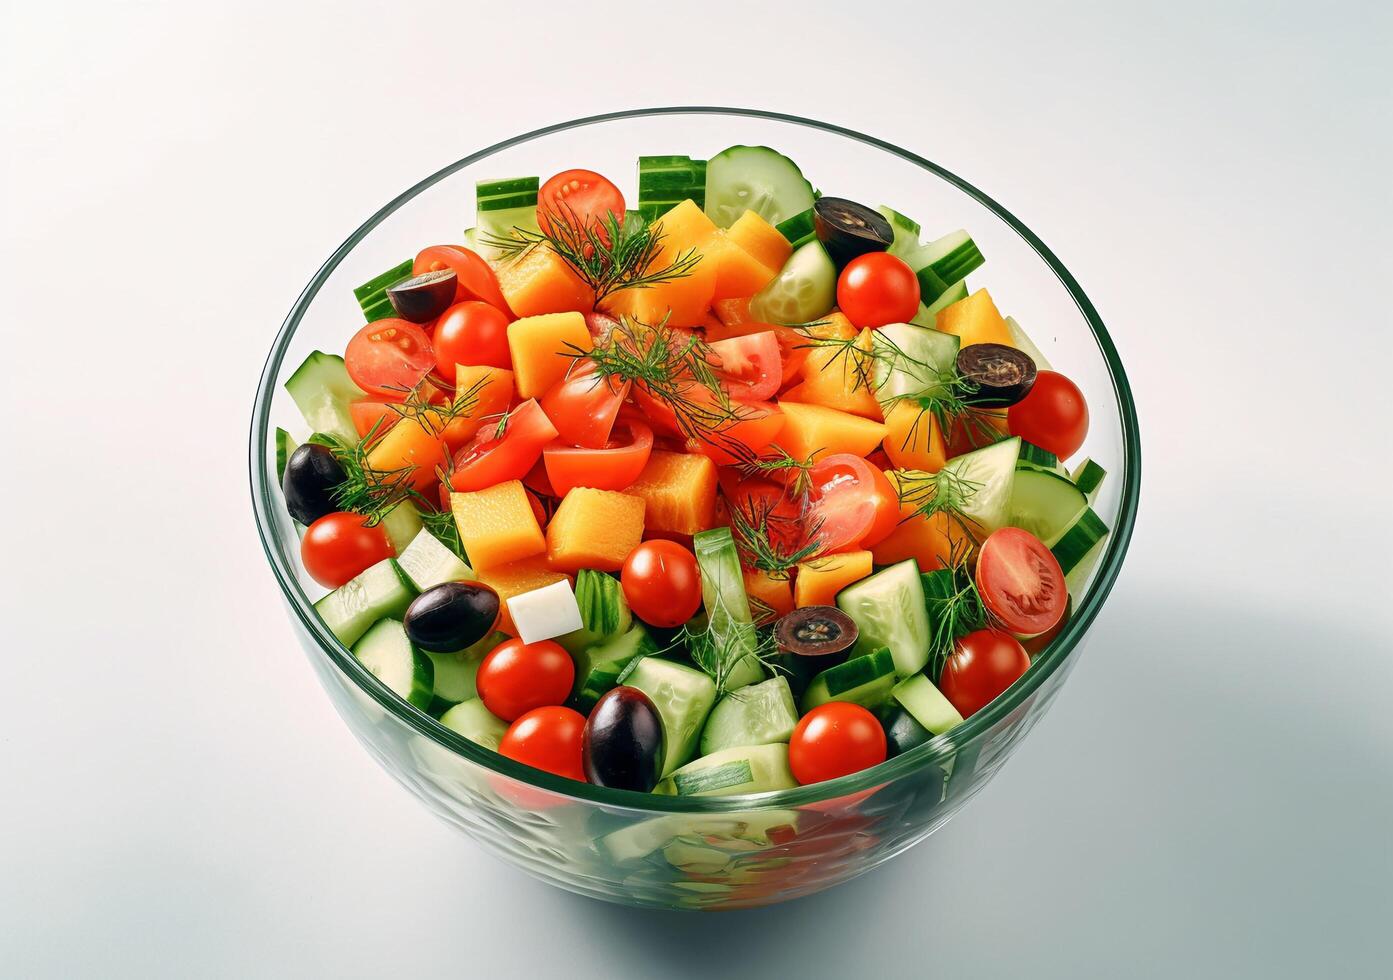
(937, 749)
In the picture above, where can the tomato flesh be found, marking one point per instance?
(547, 738)
(750, 366)
(389, 357)
(584, 404)
(853, 504)
(835, 739)
(493, 457)
(981, 666)
(341, 546)
(474, 277)
(661, 583)
(1021, 583)
(581, 198)
(613, 467)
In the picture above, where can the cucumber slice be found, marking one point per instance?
(428, 563)
(905, 229)
(372, 295)
(727, 606)
(1088, 477)
(665, 182)
(731, 772)
(598, 667)
(604, 614)
(927, 704)
(948, 259)
(455, 672)
(799, 229)
(322, 390)
(1045, 504)
(1077, 545)
(913, 362)
(866, 681)
(1022, 342)
(889, 610)
(476, 723)
(990, 472)
(683, 696)
(758, 179)
(753, 715)
(928, 315)
(402, 524)
(285, 445)
(804, 290)
(387, 653)
(746, 827)
(1033, 457)
(509, 194)
(379, 592)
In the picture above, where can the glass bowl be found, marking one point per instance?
(721, 852)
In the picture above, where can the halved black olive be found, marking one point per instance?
(847, 229)
(424, 297)
(1003, 375)
(816, 631)
(622, 744)
(311, 474)
(451, 616)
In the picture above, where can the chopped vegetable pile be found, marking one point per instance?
(738, 490)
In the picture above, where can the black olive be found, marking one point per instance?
(902, 731)
(1003, 375)
(847, 229)
(451, 616)
(817, 631)
(424, 297)
(311, 474)
(622, 744)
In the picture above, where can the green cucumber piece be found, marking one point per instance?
(727, 606)
(683, 696)
(1077, 545)
(1045, 504)
(913, 361)
(428, 562)
(382, 591)
(1088, 477)
(928, 315)
(758, 179)
(732, 772)
(753, 715)
(804, 290)
(476, 723)
(604, 614)
(402, 524)
(322, 390)
(505, 195)
(502, 208)
(919, 696)
(889, 611)
(866, 681)
(285, 445)
(1022, 342)
(666, 181)
(905, 229)
(948, 259)
(372, 295)
(455, 672)
(598, 667)
(1034, 457)
(991, 473)
(799, 229)
(391, 657)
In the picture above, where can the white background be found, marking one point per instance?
(1212, 793)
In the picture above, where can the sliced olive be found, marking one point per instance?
(1003, 375)
(816, 631)
(622, 744)
(451, 616)
(424, 297)
(847, 229)
(311, 474)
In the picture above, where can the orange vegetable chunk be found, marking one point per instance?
(516, 578)
(913, 440)
(679, 492)
(539, 281)
(816, 430)
(820, 579)
(497, 525)
(594, 529)
(683, 301)
(765, 243)
(925, 539)
(541, 348)
(770, 596)
(976, 320)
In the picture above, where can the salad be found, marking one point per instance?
(738, 489)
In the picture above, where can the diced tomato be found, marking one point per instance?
(583, 405)
(793, 346)
(751, 365)
(537, 480)
(782, 515)
(614, 467)
(496, 456)
(474, 276)
(756, 425)
(389, 357)
(853, 504)
(371, 416)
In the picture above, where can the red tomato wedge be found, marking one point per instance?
(474, 276)
(613, 467)
(1021, 583)
(496, 457)
(374, 417)
(762, 503)
(853, 504)
(754, 427)
(751, 366)
(793, 346)
(578, 197)
(389, 357)
(583, 405)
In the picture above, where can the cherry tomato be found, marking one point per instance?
(752, 429)
(516, 677)
(389, 357)
(1021, 583)
(981, 666)
(471, 332)
(750, 366)
(878, 288)
(579, 197)
(1053, 415)
(835, 739)
(614, 467)
(549, 739)
(340, 546)
(661, 583)
(853, 503)
(584, 404)
(764, 503)
(474, 277)
(491, 458)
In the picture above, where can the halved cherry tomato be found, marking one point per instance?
(763, 503)
(549, 739)
(793, 346)
(614, 467)
(371, 416)
(472, 332)
(340, 546)
(1021, 583)
(537, 480)
(981, 666)
(661, 583)
(751, 430)
(584, 404)
(750, 366)
(493, 457)
(516, 677)
(835, 739)
(389, 357)
(474, 277)
(853, 504)
(878, 288)
(579, 197)
(1053, 415)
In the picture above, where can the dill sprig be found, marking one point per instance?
(717, 655)
(780, 464)
(944, 492)
(955, 609)
(609, 254)
(762, 537)
(370, 492)
(417, 407)
(441, 523)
